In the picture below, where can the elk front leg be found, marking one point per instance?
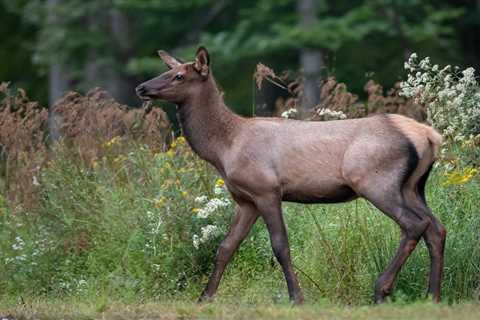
(245, 217)
(272, 214)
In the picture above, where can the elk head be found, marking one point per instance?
(180, 82)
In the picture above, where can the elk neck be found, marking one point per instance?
(208, 124)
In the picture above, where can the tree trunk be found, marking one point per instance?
(311, 60)
(58, 81)
(95, 68)
(106, 66)
(120, 84)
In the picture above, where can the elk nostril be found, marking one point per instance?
(140, 89)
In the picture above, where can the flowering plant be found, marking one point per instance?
(452, 96)
(209, 207)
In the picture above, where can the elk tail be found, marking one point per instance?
(435, 140)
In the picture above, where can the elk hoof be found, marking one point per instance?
(381, 297)
(204, 299)
(298, 300)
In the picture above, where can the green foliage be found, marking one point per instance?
(124, 226)
(238, 34)
(16, 49)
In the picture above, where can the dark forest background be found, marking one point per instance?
(50, 46)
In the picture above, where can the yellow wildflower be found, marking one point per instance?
(119, 158)
(472, 142)
(181, 140)
(460, 176)
(158, 203)
(170, 153)
(113, 141)
(184, 193)
(195, 210)
(219, 182)
(453, 161)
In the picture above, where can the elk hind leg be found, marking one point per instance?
(412, 225)
(434, 236)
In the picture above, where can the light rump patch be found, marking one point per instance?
(419, 134)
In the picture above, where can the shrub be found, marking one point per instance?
(144, 224)
(22, 144)
(336, 102)
(137, 223)
(452, 98)
(87, 122)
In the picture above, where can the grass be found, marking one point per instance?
(182, 310)
(121, 229)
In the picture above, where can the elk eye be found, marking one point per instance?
(179, 77)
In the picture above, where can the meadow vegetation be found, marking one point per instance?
(115, 215)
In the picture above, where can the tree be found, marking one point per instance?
(311, 60)
(58, 80)
(113, 43)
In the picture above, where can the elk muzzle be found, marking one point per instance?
(143, 92)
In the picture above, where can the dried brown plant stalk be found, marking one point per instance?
(336, 97)
(87, 123)
(22, 144)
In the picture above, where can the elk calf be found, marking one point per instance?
(385, 159)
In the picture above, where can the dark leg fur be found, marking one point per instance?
(272, 214)
(434, 237)
(243, 221)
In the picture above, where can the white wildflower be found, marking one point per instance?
(218, 190)
(289, 113)
(196, 241)
(328, 114)
(425, 63)
(35, 181)
(201, 199)
(208, 232)
(469, 74)
(19, 244)
(452, 98)
(211, 206)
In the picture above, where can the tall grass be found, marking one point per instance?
(124, 226)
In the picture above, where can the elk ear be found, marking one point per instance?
(202, 61)
(170, 61)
